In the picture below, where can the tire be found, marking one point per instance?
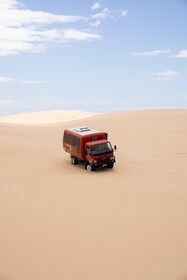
(74, 160)
(89, 167)
(110, 165)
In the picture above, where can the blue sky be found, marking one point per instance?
(92, 56)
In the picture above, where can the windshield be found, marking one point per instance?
(101, 149)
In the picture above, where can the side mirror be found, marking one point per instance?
(115, 148)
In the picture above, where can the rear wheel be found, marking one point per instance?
(74, 160)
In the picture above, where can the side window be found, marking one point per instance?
(65, 137)
(88, 151)
(72, 140)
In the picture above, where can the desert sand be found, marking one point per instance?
(59, 221)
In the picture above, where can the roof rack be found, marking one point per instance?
(83, 130)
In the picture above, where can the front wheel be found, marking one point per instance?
(110, 165)
(89, 167)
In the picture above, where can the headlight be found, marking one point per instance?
(112, 158)
(94, 161)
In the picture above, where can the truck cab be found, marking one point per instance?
(99, 154)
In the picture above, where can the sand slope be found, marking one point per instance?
(58, 221)
(46, 117)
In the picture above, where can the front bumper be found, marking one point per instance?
(104, 162)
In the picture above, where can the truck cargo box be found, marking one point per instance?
(75, 138)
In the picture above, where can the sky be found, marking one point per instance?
(92, 56)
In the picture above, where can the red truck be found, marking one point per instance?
(88, 146)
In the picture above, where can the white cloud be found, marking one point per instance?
(23, 30)
(6, 4)
(13, 15)
(104, 14)
(165, 75)
(26, 31)
(5, 80)
(107, 13)
(182, 54)
(95, 23)
(96, 6)
(73, 34)
(124, 13)
(20, 17)
(151, 53)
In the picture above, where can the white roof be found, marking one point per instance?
(83, 130)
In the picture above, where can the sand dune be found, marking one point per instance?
(59, 221)
(46, 117)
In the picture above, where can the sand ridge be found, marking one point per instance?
(46, 117)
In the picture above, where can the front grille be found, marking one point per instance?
(104, 160)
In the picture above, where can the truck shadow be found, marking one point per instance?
(81, 167)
